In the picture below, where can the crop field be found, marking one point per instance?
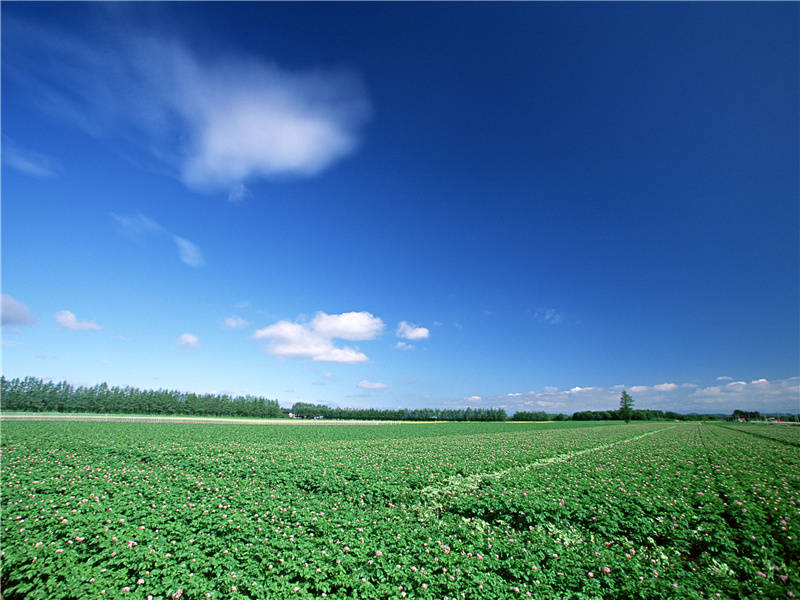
(445, 511)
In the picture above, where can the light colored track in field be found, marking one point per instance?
(194, 420)
(434, 495)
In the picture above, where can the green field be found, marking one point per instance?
(442, 510)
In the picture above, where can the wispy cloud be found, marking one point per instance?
(138, 226)
(239, 194)
(30, 163)
(314, 340)
(188, 340)
(68, 320)
(403, 346)
(552, 316)
(235, 322)
(188, 252)
(371, 385)
(15, 312)
(409, 331)
(216, 121)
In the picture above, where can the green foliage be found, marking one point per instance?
(434, 510)
(36, 395)
(305, 410)
(626, 406)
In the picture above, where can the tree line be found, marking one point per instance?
(305, 410)
(35, 395)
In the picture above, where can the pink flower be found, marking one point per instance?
(178, 593)
(378, 553)
(591, 574)
(606, 570)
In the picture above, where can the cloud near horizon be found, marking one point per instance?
(314, 340)
(779, 395)
(371, 385)
(68, 320)
(215, 120)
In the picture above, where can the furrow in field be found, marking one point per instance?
(434, 496)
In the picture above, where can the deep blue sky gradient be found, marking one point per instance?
(632, 167)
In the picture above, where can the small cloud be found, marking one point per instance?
(474, 399)
(759, 382)
(638, 389)
(189, 253)
(437, 323)
(665, 387)
(30, 163)
(328, 375)
(371, 385)
(121, 338)
(235, 322)
(69, 321)
(549, 315)
(410, 331)
(403, 346)
(550, 388)
(458, 325)
(238, 194)
(15, 312)
(188, 340)
(724, 378)
(137, 225)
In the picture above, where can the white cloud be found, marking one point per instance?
(348, 326)
(215, 120)
(474, 399)
(68, 320)
(724, 378)
(328, 375)
(759, 382)
(638, 389)
(188, 340)
(410, 331)
(29, 163)
(371, 385)
(403, 346)
(189, 253)
(665, 387)
(15, 312)
(315, 340)
(235, 322)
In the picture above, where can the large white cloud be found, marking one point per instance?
(409, 331)
(348, 326)
(314, 340)
(15, 312)
(215, 119)
(68, 320)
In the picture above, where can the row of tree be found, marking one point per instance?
(305, 410)
(35, 395)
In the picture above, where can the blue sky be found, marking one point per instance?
(405, 205)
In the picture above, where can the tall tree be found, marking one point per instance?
(626, 406)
